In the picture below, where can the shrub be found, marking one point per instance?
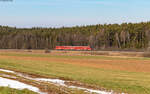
(47, 51)
(146, 54)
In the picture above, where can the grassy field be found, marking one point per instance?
(6, 90)
(129, 75)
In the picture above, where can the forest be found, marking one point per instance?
(99, 37)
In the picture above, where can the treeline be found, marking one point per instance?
(124, 36)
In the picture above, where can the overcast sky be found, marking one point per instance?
(58, 13)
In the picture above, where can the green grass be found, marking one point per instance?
(7, 90)
(121, 81)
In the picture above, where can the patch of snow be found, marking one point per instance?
(18, 85)
(91, 90)
(8, 76)
(24, 76)
(62, 83)
(56, 81)
(3, 70)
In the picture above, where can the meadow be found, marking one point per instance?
(7, 90)
(122, 74)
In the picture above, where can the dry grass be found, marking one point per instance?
(75, 53)
(131, 65)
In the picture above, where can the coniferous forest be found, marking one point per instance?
(118, 36)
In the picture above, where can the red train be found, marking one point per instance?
(73, 48)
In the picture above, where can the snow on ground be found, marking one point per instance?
(56, 81)
(8, 71)
(18, 85)
(62, 83)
